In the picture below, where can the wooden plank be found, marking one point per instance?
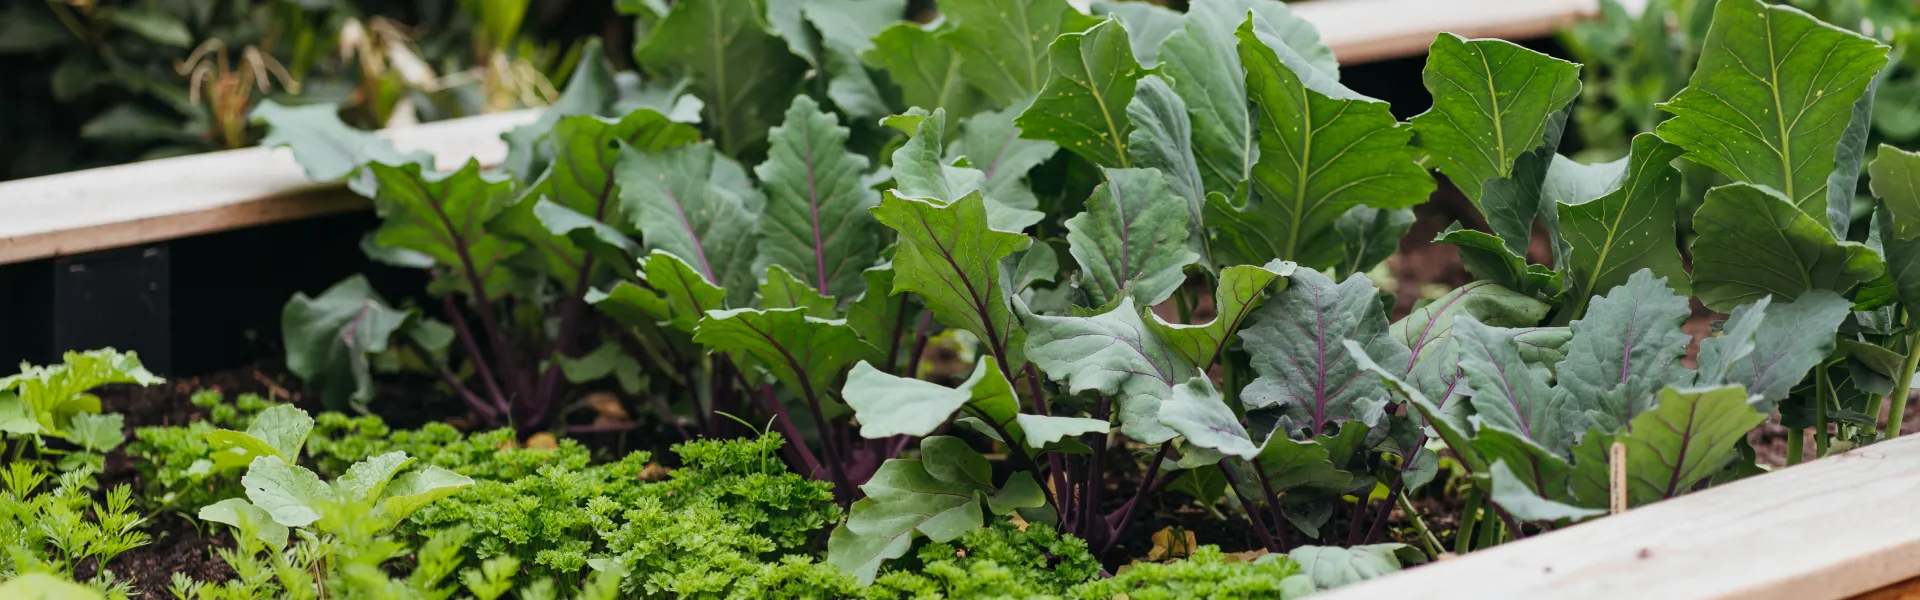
(135, 203)
(1369, 30)
(1832, 528)
(1905, 590)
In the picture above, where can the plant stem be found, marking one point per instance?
(919, 345)
(1897, 400)
(1489, 532)
(1180, 304)
(1819, 411)
(474, 354)
(1796, 442)
(1427, 538)
(1253, 512)
(1463, 539)
(1230, 378)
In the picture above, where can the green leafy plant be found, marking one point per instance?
(54, 402)
(58, 527)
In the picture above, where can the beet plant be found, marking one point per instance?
(779, 245)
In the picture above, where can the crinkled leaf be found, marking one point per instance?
(804, 353)
(1238, 294)
(1113, 353)
(1629, 229)
(1794, 338)
(740, 69)
(1733, 344)
(1452, 428)
(1003, 43)
(816, 224)
(685, 201)
(1509, 394)
(1488, 303)
(96, 432)
(994, 148)
(1752, 242)
(1330, 567)
(1771, 98)
(329, 337)
(1626, 348)
(949, 255)
(1303, 368)
(687, 294)
(1492, 102)
(1196, 411)
(1132, 240)
(1323, 150)
(1083, 105)
(52, 395)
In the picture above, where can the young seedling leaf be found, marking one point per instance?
(281, 431)
(1770, 100)
(1331, 567)
(291, 494)
(414, 490)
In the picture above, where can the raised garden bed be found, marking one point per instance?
(1054, 349)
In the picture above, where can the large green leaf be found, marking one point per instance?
(1753, 242)
(325, 146)
(1162, 138)
(1509, 394)
(1323, 149)
(329, 337)
(1238, 293)
(244, 516)
(1148, 25)
(1003, 43)
(1198, 412)
(591, 90)
(1452, 427)
(993, 147)
(1570, 182)
(1794, 338)
(1303, 368)
(805, 353)
(1132, 240)
(414, 490)
(1632, 228)
(291, 494)
(1114, 353)
(1770, 99)
(1331, 567)
(948, 255)
(586, 149)
(1896, 182)
(1433, 362)
(1083, 106)
(1518, 496)
(280, 430)
(1369, 235)
(817, 224)
(882, 318)
(1202, 63)
(1490, 258)
(889, 405)
(444, 216)
(741, 70)
(927, 71)
(686, 202)
(1733, 344)
(938, 495)
(1492, 101)
(783, 289)
(1627, 347)
(1512, 202)
(1688, 437)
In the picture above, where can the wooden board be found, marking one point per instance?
(1370, 30)
(135, 203)
(1832, 528)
